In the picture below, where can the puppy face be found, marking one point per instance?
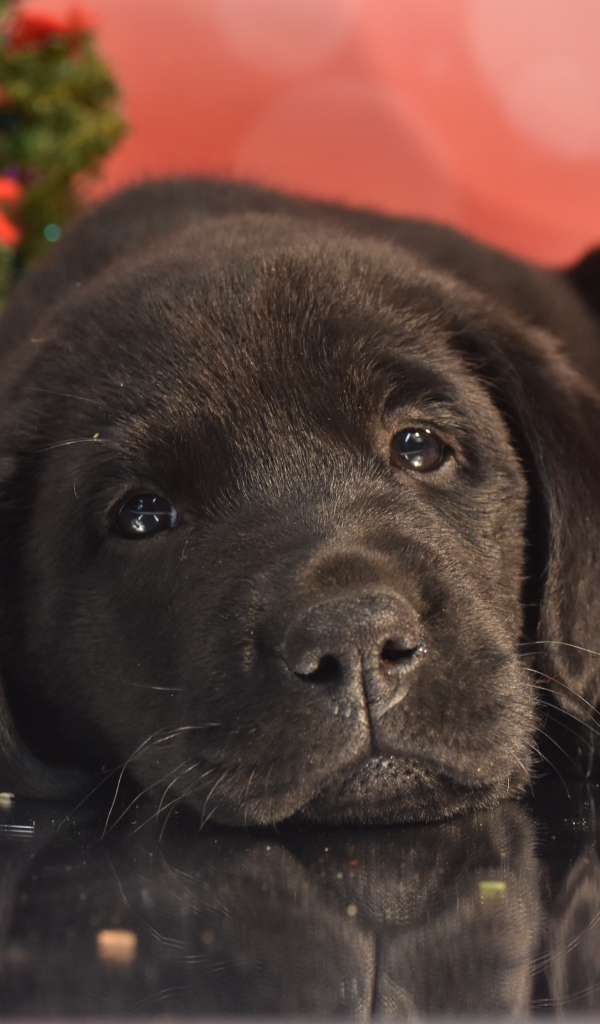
(270, 539)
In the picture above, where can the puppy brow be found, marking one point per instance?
(411, 381)
(431, 401)
(442, 407)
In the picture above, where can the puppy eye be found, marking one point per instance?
(144, 515)
(418, 448)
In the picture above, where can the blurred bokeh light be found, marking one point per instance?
(484, 114)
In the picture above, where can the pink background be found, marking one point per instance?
(482, 113)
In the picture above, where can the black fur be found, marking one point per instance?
(323, 632)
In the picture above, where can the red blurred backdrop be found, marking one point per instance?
(481, 113)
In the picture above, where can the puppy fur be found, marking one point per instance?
(325, 631)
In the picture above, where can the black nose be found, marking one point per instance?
(372, 638)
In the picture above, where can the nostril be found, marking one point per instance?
(343, 640)
(328, 670)
(392, 652)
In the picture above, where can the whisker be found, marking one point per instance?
(248, 784)
(143, 746)
(190, 768)
(551, 765)
(588, 722)
(561, 643)
(552, 740)
(568, 714)
(63, 394)
(140, 794)
(176, 800)
(206, 819)
(174, 803)
(575, 696)
(66, 444)
(545, 958)
(217, 783)
(89, 795)
(145, 686)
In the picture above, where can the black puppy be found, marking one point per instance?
(284, 490)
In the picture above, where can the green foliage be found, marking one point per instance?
(58, 118)
(7, 271)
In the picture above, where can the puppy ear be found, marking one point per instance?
(585, 278)
(25, 775)
(554, 418)
(21, 772)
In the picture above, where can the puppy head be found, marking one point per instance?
(266, 531)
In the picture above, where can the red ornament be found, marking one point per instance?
(9, 232)
(10, 192)
(30, 29)
(10, 189)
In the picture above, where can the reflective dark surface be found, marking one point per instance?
(495, 913)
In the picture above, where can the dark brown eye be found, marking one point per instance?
(418, 448)
(144, 515)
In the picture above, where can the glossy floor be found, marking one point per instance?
(494, 913)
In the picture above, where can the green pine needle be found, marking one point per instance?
(58, 118)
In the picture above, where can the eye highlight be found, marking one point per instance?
(418, 448)
(144, 515)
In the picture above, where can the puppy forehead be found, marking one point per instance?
(246, 375)
(303, 416)
(247, 346)
(222, 337)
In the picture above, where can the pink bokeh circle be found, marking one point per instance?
(349, 140)
(543, 68)
(285, 37)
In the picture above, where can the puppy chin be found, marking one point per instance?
(393, 790)
(376, 790)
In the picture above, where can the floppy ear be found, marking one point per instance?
(554, 417)
(585, 278)
(21, 772)
(25, 775)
